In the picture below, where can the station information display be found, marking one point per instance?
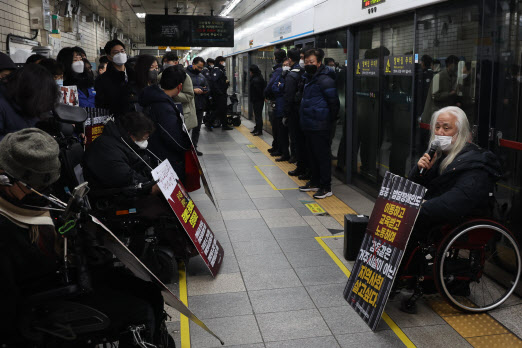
(370, 3)
(199, 31)
(383, 246)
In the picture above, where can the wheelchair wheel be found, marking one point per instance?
(465, 265)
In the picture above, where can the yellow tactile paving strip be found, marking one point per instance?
(333, 205)
(480, 330)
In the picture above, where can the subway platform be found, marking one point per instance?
(283, 274)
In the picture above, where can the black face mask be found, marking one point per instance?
(153, 76)
(311, 69)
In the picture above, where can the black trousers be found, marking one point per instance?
(282, 137)
(221, 109)
(293, 124)
(275, 129)
(197, 129)
(257, 106)
(301, 147)
(319, 155)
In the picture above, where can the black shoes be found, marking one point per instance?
(283, 159)
(309, 187)
(199, 153)
(292, 160)
(276, 154)
(258, 133)
(296, 172)
(226, 128)
(253, 131)
(270, 150)
(323, 193)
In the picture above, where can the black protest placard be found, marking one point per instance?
(382, 249)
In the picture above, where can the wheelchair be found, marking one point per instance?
(475, 266)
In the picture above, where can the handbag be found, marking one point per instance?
(192, 173)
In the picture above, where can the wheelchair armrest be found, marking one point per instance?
(55, 294)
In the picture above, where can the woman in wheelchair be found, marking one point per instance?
(36, 312)
(454, 242)
(118, 167)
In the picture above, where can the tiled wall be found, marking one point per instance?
(14, 19)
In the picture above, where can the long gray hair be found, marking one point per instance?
(463, 135)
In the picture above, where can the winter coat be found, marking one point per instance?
(186, 98)
(257, 85)
(462, 189)
(276, 73)
(11, 119)
(218, 82)
(291, 107)
(199, 81)
(115, 90)
(169, 141)
(110, 163)
(320, 103)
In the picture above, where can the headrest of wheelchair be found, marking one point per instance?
(70, 114)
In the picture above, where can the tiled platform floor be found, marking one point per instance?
(277, 286)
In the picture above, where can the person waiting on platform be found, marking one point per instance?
(319, 106)
(277, 70)
(257, 87)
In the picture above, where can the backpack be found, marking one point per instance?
(300, 89)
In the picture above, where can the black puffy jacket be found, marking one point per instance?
(115, 90)
(257, 85)
(110, 163)
(218, 81)
(291, 107)
(462, 189)
(199, 81)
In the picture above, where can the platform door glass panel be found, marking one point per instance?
(447, 47)
(506, 119)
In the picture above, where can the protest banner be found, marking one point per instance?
(383, 246)
(189, 216)
(94, 124)
(69, 95)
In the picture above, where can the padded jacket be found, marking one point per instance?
(11, 119)
(199, 81)
(257, 86)
(320, 103)
(462, 189)
(115, 90)
(291, 107)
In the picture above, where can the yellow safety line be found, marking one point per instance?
(183, 296)
(396, 329)
(270, 183)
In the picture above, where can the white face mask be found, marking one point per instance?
(464, 76)
(286, 68)
(444, 142)
(59, 83)
(211, 66)
(120, 58)
(78, 67)
(224, 65)
(142, 144)
(301, 63)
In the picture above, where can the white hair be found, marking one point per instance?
(463, 134)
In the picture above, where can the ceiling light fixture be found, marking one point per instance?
(141, 15)
(230, 7)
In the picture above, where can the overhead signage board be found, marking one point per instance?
(367, 67)
(370, 3)
(398, 65)
(201, 31)
(383, 246)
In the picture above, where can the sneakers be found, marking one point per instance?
(323, 193)
(309, 187)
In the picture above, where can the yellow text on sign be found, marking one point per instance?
(315, 208)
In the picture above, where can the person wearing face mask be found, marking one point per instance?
(207, 118)
(218, 91)
(460, 175)
(146, 72)
(257, 87)
(168, 60)
(115, 88)
(280, 118)
(187, 100)
(447, 93)
(277, 70)
(201, 90)
(75, 74)
(319, 106)
(171, 140)
(26, 97)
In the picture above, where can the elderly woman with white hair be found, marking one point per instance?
(460, 175)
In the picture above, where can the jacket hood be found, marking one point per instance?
(255, 69)
(474, 157)
(193, 71)
(323, 70)
(153, 94)
(278, 65)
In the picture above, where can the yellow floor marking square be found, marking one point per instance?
(475, 325)
(315, 208)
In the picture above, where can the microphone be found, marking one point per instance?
(431, 152)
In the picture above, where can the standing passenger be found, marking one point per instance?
(279, 56)
(218, 89)
(207, 118)
(319, 107)
(257, 87)
(201, 89)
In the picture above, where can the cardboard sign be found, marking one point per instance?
(189, 216)
(382, 249)
(398, 65)
(94, 124)
(114, 245)
(69, 95)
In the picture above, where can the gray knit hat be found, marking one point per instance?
(31, 155)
